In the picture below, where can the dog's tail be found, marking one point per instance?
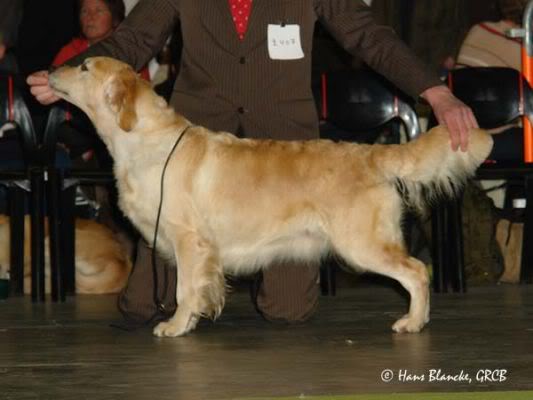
(429, 163)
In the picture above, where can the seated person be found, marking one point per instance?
(487, 45)
(98, 19)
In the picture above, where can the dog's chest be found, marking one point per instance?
(138, 196)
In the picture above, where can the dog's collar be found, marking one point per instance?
(178, 140)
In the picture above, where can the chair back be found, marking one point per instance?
(359, 101)
(13, 110)
(57, 115)
(63, 114)
(497, 95)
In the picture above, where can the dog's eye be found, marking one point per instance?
(84, 67)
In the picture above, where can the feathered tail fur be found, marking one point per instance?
(429, 164)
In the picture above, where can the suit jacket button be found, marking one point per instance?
(242, 60)
(241, 110)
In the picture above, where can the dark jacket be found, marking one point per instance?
(226, 84)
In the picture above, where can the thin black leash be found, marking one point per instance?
(160, 305)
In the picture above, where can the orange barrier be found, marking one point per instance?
(527, 71)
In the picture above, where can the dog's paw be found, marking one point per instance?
(408, 324)
(175, 326)
(168, 329)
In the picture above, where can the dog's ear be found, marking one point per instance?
(120, 92)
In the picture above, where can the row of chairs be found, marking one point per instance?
(497, 96)
(34, 167)
(351, 104)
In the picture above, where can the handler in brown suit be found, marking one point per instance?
(256, 82)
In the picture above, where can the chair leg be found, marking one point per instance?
(16, 255)
(526, 269)
(37, 236)
(457, 267)
(438, 243)
(328, 281)
(56, 270)
(447, 249)
(332, 279)
(67, 234)
(324, 283)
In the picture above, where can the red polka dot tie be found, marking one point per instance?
(240, 11)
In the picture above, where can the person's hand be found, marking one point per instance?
(452, 113)
(38, 82)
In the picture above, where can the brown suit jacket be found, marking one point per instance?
(226, 84)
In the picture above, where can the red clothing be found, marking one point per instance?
(240, 11)
(71, 49)
(77, 46)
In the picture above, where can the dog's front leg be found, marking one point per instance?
(200, 290)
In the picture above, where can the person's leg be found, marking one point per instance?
(137, 300)
(288, 291)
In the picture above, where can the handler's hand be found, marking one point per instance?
(452, 113)
(38, 82)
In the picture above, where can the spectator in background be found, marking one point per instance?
(486, 44)
(434, 29)
(98, 19)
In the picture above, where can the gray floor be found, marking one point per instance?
(51, 351)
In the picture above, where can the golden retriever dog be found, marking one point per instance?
(102, 264)
(234, 205)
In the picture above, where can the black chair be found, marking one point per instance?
(358, 106)
(21, 171)
(63, 181)
(497, 97)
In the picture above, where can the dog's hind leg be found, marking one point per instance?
(383, 252)
(200, 290)
(392, 261)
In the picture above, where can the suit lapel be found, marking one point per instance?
(218, 20)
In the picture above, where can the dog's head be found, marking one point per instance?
(104, 88)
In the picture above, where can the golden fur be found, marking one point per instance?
(102, 264)
(234, 205)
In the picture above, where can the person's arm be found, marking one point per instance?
(352, 24)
